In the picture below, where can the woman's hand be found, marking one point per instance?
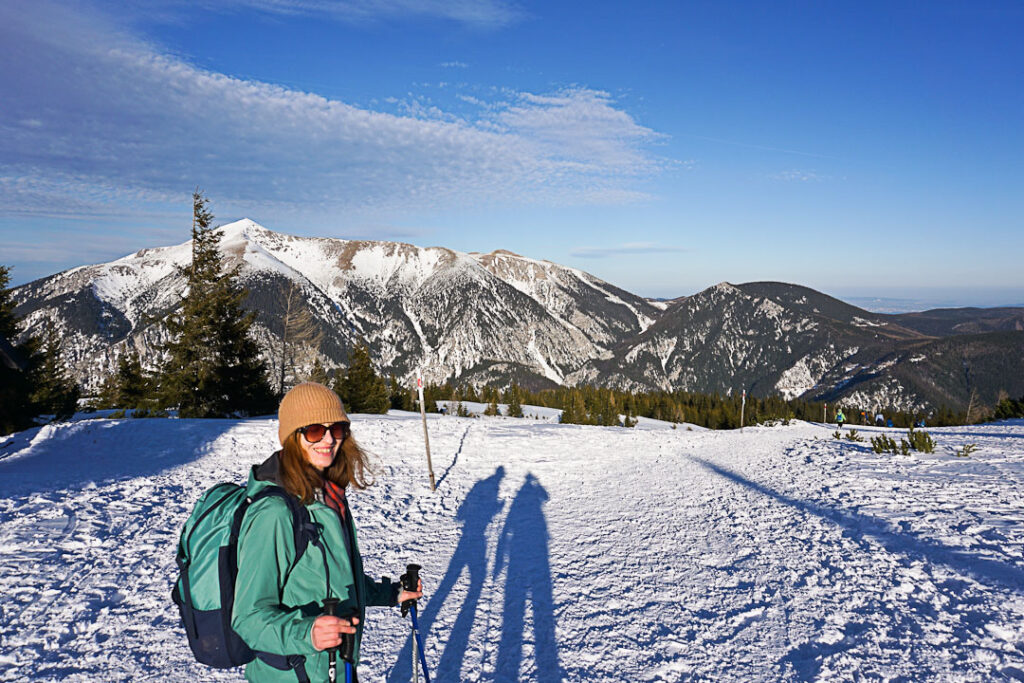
(327, 630)
(409, 595)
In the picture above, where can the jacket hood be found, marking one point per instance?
(267, 473)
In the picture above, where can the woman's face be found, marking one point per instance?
(321, 453)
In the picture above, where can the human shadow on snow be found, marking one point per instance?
(522, 552)
(523, 549)
(476, 512)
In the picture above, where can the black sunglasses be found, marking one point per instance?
(315, 432)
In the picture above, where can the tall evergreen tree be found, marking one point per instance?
(127, 387)
(16, 376)
(514, 407)
(53, 392)
(213, 367)
(360, 388)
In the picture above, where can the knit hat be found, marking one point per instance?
(308, 403)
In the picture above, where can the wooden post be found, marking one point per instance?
(824, 413)
(426, 435)
(743, 408)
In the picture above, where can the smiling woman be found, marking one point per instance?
(278, 597)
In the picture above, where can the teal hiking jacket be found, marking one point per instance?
(277, 599)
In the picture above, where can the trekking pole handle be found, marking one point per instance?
(330, 604)
(347, 649)
(410, 582)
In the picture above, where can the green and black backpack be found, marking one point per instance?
(208, 564)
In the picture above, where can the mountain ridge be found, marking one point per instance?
(501, 317)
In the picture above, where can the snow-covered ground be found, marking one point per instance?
(551, 552)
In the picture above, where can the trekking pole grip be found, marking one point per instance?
(410, 582)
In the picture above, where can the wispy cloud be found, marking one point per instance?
(628, 248)
(96, 121)
(798, 176)
(454, 65)
(485, 14)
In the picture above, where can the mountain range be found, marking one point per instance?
(500, 317)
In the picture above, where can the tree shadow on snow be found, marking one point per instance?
(859, 525)
(523, 548)
(476, 511)
(102, 451)
(808, 657)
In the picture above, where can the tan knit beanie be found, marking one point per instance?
(306, 404)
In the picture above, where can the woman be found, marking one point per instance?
(278, 609)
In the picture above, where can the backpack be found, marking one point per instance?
(208, 565)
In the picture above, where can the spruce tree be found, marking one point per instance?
(128, 387)
(514, 407)
(318, 373)
(360, 388)
(213, 367)
(16, 376)
(53, 392)
(492, 409)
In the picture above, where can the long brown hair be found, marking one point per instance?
(301, 479)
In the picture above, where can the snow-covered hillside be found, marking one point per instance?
(551, 552)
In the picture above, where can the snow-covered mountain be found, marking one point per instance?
(477, 317)
(498, 317)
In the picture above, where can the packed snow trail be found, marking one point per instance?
(551, 552)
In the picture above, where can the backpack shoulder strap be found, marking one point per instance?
(303, 528)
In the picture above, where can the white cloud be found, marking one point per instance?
(799, 176)
(486, 14)
(95, 120)
(627, 248)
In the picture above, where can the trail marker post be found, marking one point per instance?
(426, 436)
(743, 408)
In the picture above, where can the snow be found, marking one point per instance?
(551, 552)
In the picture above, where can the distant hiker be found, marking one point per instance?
(277, 608)
(840, 418)
(863, 417)
(889, 423)
(880, 420)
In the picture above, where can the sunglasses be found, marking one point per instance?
(316, 432)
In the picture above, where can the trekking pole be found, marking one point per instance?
(410, 582)
(332, 653)
(348, 649)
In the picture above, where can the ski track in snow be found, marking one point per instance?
(551, 552)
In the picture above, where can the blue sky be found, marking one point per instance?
(866, 149)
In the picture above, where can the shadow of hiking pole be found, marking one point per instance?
(523, 547)
(476, 511)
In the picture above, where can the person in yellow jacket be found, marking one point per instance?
(278, 602)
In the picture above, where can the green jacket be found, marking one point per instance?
(277, 599)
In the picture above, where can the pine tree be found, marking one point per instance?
(318, 373)
(360, 389)
(54, 393)
(213, 367)
(16, 376)
(401, 397)
(514, 407)
(492, 408)
(128, 387)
